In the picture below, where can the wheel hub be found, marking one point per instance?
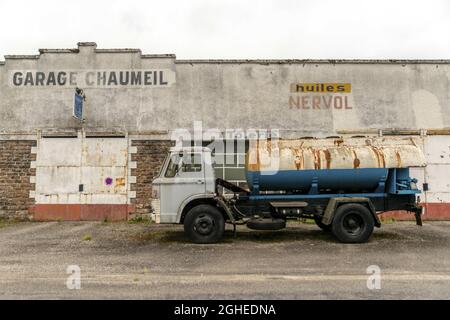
(204, 225)
(353, 224)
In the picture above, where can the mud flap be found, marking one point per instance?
(418, 215)
(417, 210)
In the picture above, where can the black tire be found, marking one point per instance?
(319, 223)
(352, 223)
(204, 224)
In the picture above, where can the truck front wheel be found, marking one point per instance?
(204, 224)
(352, 223)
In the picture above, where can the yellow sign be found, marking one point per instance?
(321, 87)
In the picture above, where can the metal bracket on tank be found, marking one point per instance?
(314, 189)
(381, 185)
(255, 183)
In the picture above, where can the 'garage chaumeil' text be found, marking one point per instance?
(91, 78)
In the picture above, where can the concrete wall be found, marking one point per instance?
(227, 94)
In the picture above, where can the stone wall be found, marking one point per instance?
(149, 158)
(15, 173)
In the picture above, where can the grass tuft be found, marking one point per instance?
(140, 219)
(87, 237)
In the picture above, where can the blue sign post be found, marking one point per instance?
(78, 104)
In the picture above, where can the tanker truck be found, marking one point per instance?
(342, 184)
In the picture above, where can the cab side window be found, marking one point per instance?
(192, 163)
(180, 163)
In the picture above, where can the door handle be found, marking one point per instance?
(200, 181)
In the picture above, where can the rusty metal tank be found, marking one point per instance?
(329, 165)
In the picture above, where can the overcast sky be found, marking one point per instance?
(207, 29)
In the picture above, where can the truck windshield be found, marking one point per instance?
(161, 170)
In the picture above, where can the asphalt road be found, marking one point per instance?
(149, 261)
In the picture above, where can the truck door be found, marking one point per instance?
(184, 177)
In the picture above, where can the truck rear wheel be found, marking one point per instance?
(352, 223)
(204, 224)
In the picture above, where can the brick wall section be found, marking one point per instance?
(149, 158)
(15, 172)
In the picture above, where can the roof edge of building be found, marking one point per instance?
(224, 61)
(313, 61)
(41, 51)
(94, 47)
(159, 55)
(118, 50)
(21, 57)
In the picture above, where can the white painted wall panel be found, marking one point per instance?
(63, 164)
(106, 152)
(94, 179)
(437, 149)
(59, 152)
(438, 197)
(57, 180)
(438, 177)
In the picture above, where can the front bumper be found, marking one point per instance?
(156, 213)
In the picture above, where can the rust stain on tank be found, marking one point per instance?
(258, 158)
(317, 163)
(399, 159)
(380, 157)
(299, 161)
(269, 147)
(383, 160)
(327, 157)
(356, 161)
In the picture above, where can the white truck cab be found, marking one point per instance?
(187, 174)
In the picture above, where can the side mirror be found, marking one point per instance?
(177, 170)
(178, 167)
